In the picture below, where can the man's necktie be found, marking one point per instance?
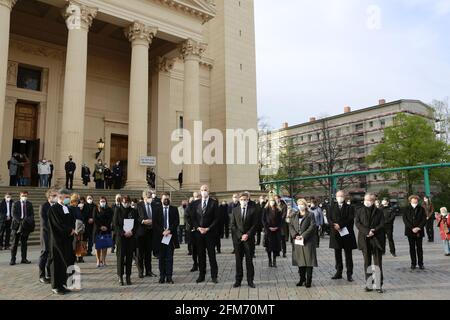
(24, 210)
(149, 212)
(165, 219)
(204, 206)
(243, 214)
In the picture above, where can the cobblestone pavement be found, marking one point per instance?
(21, 281)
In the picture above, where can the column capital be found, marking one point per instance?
(78, 16)
(191, 49)
(162, 64)
(8, 3)
(139, 31)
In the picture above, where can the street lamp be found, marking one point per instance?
(100, 146)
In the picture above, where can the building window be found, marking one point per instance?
(338, 132)
(359, 127)
(310, 138)
(28, 78)
(371, 124)
(383, 122)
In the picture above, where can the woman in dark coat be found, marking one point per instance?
(125, 241)
(272, 222)
(302, 227)
(103, 216)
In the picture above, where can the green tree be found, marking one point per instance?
(410, 141)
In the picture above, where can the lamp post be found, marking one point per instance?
(100, 146)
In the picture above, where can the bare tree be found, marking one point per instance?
(442, 115)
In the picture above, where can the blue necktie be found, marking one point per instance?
(165, 219)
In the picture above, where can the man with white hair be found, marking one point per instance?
(371, 241)
(145, 209)
(204, 218)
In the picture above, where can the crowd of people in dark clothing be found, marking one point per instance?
(138, 229)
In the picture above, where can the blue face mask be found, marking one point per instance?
(66, 201)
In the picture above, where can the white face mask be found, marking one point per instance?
(81, 206)
(235, 200)
(313, 206)
(8, 199)
(368, 204)
(414, 205)
(384, 203)
(89, 201)
(244, 204)
(302, 207)
(54, 200)
(149, 200)
(272, 203)
(103, 204)
(205, 194)
(153, 196)
(23, 199)
(126, 205)
(340, 200)
(444, 214)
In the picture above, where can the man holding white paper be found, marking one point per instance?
(342, 236)
(165, 226)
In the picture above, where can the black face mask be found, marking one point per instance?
(184, 206)
(166, 202)
(70, 159)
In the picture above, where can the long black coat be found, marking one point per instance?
(389, 217)
(142, 215)
(60, 227)
(120, 214)
(344, 217)
(158, 228)
(259, 211)
(103, 218)
(414, 218)
(272, 239)
(45, 232)
(367, 219)
(4, 210)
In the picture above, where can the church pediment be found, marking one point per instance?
(204, 9)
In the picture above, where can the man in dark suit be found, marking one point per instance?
(389, 219)
(117, 174)
(22, 226)
(146, 210)
(415, 220)
(234, 203)
(166, 222)
(259, 209)
(341, 218)
(204, 220)
(371, 241)
(244, 222)
(6, 209)
(44, 265)
(190, 232)
(70, 168)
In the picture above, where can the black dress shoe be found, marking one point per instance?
(150, 274)
(170, 281)
(141, 275)
(200, 279)
(368, 289)
(121, 281)
(422, 267)
(128, 280)
(161, 281)
(413, 267)
(251, 285)
(194, 269)
(12, 263)
(284, 255)
(44, 280)
(236, 284)
(350, 279)
(25, 261)
(214, 280)
(380, 290)
(337, 276)
(270, 264)
(59, 292)
(301, 283)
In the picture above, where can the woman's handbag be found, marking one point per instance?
(103, 241)
(81, 248)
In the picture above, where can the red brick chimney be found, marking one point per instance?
(347, 109)
(312, 119)
(285, 125)
(381, 102)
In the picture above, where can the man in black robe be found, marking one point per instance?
(44, 265)
(61, 224)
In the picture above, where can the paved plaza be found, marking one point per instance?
(21, 281)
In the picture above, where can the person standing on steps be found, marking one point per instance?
(70, 168)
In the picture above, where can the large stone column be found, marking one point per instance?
(5, 17)
(192, 52)
(140, 37)
(78, 20)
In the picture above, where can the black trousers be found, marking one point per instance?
(58, 272)
(23, 238)
(241, 251)
(69, 181)
(306, 274)
(5, 234)
(12, 181)
(390, 236)
(348, 261)
(166, 261)
(44, 264)
(206, 244)
(283, 244)
(125, 256)
(90, 239)
(145, 252)
(194, 250)
(430, 230)
(258, 237)
(370, 254)
(227, 230)
(416, 250)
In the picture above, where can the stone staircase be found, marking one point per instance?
(37, 198)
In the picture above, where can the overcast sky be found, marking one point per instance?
(316, 56)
